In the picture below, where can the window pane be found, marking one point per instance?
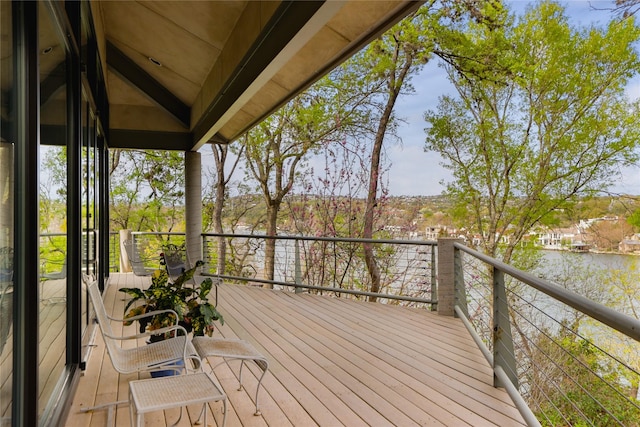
(6, 213)
(53, 206)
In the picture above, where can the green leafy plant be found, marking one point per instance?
(195, 313)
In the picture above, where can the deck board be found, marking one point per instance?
(332, 362)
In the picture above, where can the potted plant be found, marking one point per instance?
(195, 313)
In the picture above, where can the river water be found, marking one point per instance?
(600, 260)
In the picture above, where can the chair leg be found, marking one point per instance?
(203, 413)
(134, 418)
(180, 418)
(258, 413)
(240, 375)
(224, 408)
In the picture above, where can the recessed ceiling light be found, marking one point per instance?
(154, 61)
(47, 50)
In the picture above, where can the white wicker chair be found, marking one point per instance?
(162, 355)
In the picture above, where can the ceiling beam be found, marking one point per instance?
(126, 68)
(286, 22)
(55, 80)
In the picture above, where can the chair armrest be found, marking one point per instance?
(149, 333)
(142, 316)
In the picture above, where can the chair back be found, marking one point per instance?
(104, 323)
(137, 265)
(57, 275)
(132, 254)
(174, 261)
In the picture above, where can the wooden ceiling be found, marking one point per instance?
(181, 74)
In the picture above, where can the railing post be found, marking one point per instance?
(460, 288)
(503, 354)
(298, 267)
(446, 276)
(434, 286)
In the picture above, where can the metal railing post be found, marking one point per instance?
(298, 267)
(503, 354)
(434, 286)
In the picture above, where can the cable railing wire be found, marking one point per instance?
(541, 327)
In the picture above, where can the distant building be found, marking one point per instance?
(559, 238)
(630, 245)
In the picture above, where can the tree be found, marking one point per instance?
(147, 190)
(540, 120)
(276, 149)
(220, 155)
(626, 8)
(608, 234)
(383, 72)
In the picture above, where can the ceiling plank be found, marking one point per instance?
(126, 68)
(149, 140)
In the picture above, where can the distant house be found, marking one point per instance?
(432, 233)
(580, 247)
(558, 238)
(630, 245)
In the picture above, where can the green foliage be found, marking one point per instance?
(147, 190)
(195, 312)
(541, 118)
(634, 219)
(588, 382)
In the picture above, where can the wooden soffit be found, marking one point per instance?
(184, 73)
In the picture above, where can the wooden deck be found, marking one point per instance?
(333, 362)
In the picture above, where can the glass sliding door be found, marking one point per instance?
(89, 193)
(89, 236)
(7, 143)
(49, 215)
(53, 71)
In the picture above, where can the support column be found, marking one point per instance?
(446, 276)
(193, 205)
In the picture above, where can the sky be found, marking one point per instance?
(414, 172)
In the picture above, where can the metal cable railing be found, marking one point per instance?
(316, 264)
(149, 245)
(575, 362)
(325, 264)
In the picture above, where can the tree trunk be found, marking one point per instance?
(220, 155)
(270, 245)
(395, 82)
(369, 256)
(217, 222)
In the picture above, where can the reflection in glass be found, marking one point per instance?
(53, 203)
(6, 212)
